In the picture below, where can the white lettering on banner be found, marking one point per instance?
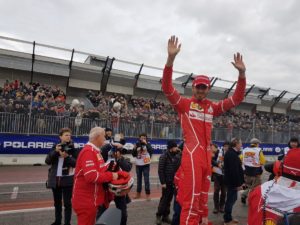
(39, 144)
(79, 145)
(19, 144)
(158, 146)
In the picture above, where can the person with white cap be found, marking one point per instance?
(253, 159)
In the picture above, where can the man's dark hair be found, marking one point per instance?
(108, 129)
(213, 144)
(226, 143)
(293, 139)
(64, 130)
(234, 142)
(143, 135)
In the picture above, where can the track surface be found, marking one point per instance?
(24, 199)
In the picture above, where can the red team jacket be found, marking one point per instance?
(90, 174)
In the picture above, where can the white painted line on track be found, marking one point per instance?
(14, 193)
(52, 208)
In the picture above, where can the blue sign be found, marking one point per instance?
(38, 144)
(268, 149)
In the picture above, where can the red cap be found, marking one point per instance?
(291, 163)
(201, 79)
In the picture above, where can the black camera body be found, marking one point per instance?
(67, 147)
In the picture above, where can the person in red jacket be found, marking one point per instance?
(196, 116)
(270, 201)
(90, 174)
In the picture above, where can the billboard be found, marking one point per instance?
(39, 144)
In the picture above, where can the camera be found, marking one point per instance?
(66, 147)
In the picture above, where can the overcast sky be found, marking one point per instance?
(266, 32)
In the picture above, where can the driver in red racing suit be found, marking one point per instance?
(196, 116)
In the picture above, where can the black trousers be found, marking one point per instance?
(121, 203)
(219, 186)
(230, 200)
(165, 201)
(65, 194)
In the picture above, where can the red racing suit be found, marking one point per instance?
(196, 122)
(283, 195)
(88, 191)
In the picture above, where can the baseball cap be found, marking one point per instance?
(171, 144)
(255, 141)
(201, 79)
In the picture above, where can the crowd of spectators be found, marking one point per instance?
(132, 109)
(15, 97)
(263, 121)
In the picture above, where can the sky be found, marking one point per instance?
(266, 33)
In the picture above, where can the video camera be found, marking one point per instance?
(67, 147)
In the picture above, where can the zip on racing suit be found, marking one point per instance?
(196, 122)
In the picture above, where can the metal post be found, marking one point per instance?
(253, 127)
(31, 94)
(272, 131)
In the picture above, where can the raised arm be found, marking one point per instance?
(239, 92)
(167, 87)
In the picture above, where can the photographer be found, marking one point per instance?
(125, 165)
(111, 142)
(62, 159)
(142, 151)
(115, 153)
(218, 177)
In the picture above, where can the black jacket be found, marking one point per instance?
(138, 145)
(167, 167)
(66, 179)
(124, 164)
(233, 171)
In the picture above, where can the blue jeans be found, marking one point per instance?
(140, 171)
(230, 200)
(177, 211)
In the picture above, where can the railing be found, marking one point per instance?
(50, 125)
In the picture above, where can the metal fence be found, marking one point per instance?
(50, 125)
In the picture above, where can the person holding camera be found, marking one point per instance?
(142, 151)
(117, 162)
(125, 165)
(62, 159)
(233, 178)
(218, 177)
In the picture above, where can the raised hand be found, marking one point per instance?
(173, 49)
(238, 63)
(173, 46)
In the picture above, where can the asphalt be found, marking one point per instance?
(24, 199)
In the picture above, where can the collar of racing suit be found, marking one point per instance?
(93, 146)
(199, 101)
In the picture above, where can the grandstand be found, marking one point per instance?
(56, 76)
